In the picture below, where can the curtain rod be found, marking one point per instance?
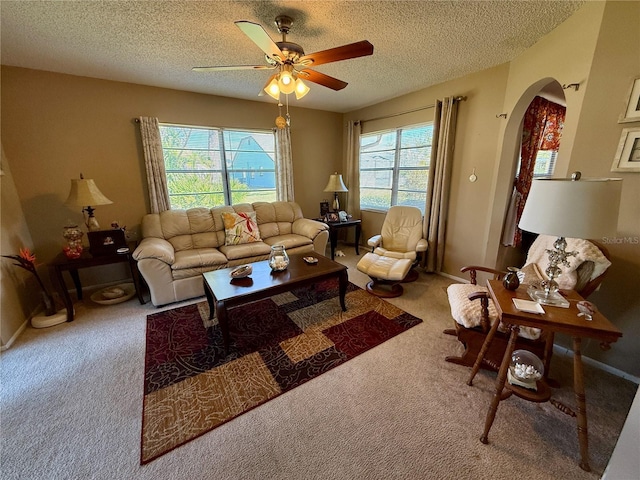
(459, 98)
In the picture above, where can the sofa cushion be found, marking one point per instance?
(275, 218)
(198, 257)
(245, 250)
(289, 241)
(240, 228)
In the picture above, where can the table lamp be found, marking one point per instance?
(85, 193)
(335, 185)
(569, 207)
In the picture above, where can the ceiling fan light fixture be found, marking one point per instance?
(286, 82)
(273, 90)
(301, 89)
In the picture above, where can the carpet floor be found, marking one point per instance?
(192, 386)
(71, 401)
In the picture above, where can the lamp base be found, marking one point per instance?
(553, 299)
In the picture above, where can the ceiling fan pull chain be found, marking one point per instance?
(286, 99)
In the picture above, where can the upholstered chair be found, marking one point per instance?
(473, 310)
(394, 252)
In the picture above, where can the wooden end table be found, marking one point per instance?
(556, 320)
(334, 228)
(63, 264)
(222, 292)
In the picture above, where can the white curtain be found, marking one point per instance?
(352, 175)
(511, 222)
(435, 218)
(284, 165)
(154, 163)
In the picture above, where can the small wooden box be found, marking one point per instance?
(106, 242)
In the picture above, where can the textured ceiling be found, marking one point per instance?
(416, 43)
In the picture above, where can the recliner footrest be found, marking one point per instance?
(384, 268)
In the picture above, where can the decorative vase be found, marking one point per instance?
(73, 236)
(49, 304)
(511, 280)
(278, 258)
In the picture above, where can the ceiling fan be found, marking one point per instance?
(290, 61)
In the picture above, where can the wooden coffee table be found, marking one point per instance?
(223, 292)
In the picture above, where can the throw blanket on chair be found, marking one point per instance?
(568, 279)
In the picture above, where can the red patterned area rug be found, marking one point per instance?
(191, 387)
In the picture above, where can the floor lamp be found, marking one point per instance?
(569, 208)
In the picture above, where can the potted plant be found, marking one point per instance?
(27, 260)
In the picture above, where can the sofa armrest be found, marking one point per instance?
(152, 247)
(422, 245)
(308, 228)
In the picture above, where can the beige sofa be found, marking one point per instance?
(178, 246)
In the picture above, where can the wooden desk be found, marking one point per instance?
(61, 264)
(556, 320)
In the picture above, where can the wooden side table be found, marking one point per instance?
(556, 320)
(63, 264)
(334, 227)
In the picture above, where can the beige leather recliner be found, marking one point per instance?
(394, 252)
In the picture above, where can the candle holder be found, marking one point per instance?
(278, 258)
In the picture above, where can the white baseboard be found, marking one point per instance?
(451, 277)
(558, 350)
(15, 335)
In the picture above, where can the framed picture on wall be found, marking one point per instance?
(627, 157)
(632, 113)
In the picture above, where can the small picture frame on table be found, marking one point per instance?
(332, 217)
(106, 242)
(324, 208)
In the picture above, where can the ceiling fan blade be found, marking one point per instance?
(233, 67)
(322, 79)
(345, 52)
(259, 36)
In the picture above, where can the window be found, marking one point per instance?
(545, 163)
(214, 166)
(394, 167)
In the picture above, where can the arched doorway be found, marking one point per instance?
(498, 254)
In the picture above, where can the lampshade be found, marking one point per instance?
(301, 89)
(335, 184)
(286, 82)
(84, 192)
(272, 89)
(563, 207)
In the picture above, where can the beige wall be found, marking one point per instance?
(475, 147)
(615, 64)
(49, 126)
(18, 288)
(56, 126)
(598, 47)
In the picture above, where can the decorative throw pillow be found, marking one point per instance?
(240, 228)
